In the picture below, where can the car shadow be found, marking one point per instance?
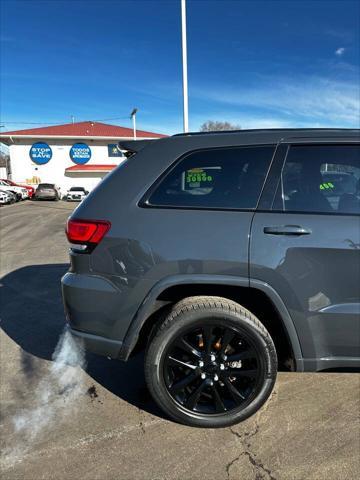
(32, 315)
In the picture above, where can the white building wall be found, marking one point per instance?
(24, 170)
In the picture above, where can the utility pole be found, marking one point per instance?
(184, 65)
(133, 117)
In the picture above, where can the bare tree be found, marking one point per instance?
(211, 126)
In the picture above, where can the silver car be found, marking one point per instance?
(47, 191)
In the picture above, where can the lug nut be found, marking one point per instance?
(212, 358)
(222, 367)
(203, 376)
(216, 378)
(201, 363)
(224, 357)
(211, 384)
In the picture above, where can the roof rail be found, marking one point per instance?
(259, 130)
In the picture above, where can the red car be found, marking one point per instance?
(30, 189)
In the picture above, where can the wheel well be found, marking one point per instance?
(254, 300)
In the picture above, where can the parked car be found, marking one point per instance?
(29, 188)
(47, 191)
(76, 194)
(13, 196)
(220, 254)
(20, 192)
(7, 197)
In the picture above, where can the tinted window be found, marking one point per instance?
(46, 185)
(77, 189)
(322, 179)
(217, 178)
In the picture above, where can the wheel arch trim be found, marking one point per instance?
(148, 307)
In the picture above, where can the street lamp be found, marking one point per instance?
(184, 65)
(133, 116)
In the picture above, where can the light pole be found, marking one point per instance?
(133, 117)
(184, 65)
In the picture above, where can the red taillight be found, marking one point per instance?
(86, 231)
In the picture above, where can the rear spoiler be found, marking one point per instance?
(134, 146)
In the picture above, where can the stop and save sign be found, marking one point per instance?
(40, 153)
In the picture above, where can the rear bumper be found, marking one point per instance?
(44, 196)
(92, 304)
(97, 344)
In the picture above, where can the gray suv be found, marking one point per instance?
(226, 256)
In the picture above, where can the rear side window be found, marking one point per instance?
(320, 178)
(216, 178)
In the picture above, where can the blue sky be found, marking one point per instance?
(257, 64)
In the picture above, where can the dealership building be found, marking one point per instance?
(75, 154)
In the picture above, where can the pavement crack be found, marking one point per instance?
(261, 471)
(259, 467)
(237, 434)
(141, 424)
(230, 464)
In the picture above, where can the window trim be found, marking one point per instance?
(288, 146)
(144, 201)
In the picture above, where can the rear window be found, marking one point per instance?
(77, 189)
(217, 178)
(46, 185)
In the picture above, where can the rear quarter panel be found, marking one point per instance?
(146, 245)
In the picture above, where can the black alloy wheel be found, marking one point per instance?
(210, 363)
(212, 369)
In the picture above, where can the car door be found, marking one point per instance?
(305, 244)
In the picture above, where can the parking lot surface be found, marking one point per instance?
(108, 427)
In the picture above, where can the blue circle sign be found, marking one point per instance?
(80, 153)
(40, 153)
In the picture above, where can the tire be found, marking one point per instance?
(206, 324)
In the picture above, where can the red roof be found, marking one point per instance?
(83, 129)
(91, 167)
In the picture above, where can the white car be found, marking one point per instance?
(11, 188)
(6, 197)
(76, 194)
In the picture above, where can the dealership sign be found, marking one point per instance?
(80, 153)
(40, 153)
(114, 150)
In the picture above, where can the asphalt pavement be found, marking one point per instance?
(104, 425)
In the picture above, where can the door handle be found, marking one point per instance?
(287, 230)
